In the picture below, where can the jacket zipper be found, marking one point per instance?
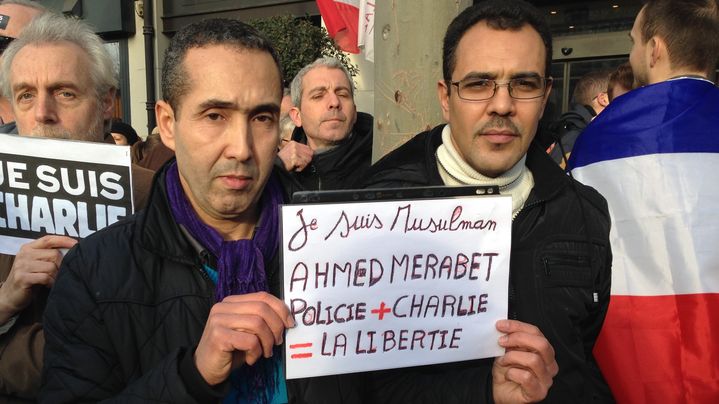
(513, 313)
(563, 259)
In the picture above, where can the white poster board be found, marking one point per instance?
(69, 188)
(379, 285)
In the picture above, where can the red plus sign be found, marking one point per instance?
(381, 311)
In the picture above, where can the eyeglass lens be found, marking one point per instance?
(477, 89)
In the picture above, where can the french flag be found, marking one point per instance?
(341, 18)
(654, 155)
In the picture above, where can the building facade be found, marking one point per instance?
(588, 35)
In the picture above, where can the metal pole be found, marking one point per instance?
(148, 30)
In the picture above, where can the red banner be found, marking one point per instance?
(341, 18)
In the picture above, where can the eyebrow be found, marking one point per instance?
(317, 89)
(325, 88)
(222, 104)
(493, 76)
(52, 86)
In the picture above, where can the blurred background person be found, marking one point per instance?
(621, 81)
(589, 99)
(151, 153)
(123, 134)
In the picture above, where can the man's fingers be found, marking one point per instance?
(249, 324)
(277, 305)
(49, 255)
(527, 369)
(525, 337)
(510, 326)
(38, 278)
(53, 242)
(532, 389)
(531, 362)
(295, 156)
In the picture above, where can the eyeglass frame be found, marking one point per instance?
(547, 81)
(5, 41)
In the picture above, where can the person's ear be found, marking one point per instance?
(443, 94)
(658, 49)
(108, 104)
(165, 116)
(603, 99)
(295, 116)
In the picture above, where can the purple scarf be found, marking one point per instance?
(240, 268)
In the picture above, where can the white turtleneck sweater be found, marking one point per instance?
(516, 182)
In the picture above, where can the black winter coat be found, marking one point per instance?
(568, 128)
(127, 312)
(343, 167)
(560, 258)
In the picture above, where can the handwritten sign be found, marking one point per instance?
(379, 285)
(50, 186)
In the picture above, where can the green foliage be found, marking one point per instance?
(299, 43)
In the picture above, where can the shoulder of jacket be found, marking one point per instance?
(591, 195)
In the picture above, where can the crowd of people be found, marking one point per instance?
(181, 301)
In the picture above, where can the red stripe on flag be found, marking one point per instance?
(342, 22)
(661, 349)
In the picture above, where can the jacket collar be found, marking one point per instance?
(361, 129)
(157, 228)
(549, 178)
(160, 234)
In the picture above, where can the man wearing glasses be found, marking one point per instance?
(496, 62)
(15, 15)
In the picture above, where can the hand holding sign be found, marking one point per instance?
(37, 263)
(524, 373)
(240, 330)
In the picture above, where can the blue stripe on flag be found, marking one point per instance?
(677, 116)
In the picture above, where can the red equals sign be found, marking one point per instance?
(301, 355)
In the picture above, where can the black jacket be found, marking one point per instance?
(568, 128)
(343, 167)
(127, 312)
(552, 281)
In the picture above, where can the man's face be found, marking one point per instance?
(494, 134)
(52, 95)
(224, 131)
(328, 112)
(638, 55)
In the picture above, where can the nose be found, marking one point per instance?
(502, 103)
(238, 141)
(45, 109)
(334, 101)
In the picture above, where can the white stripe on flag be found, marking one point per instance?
(665, 221)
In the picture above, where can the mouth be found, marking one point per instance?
(236, 182)
(334, 118)
(498, 136)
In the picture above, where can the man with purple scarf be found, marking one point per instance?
(178, 302)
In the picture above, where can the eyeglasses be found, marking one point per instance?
(520, 88)
(4, 42)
